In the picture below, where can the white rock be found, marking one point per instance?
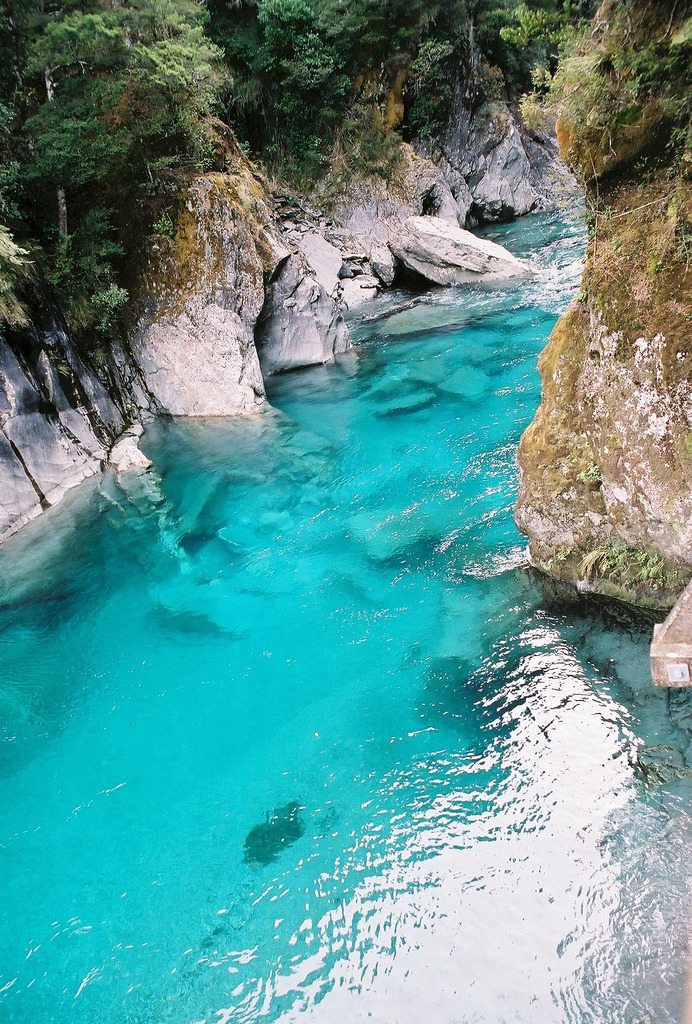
(201, 361)
(358, 290)
(126, 454)
(445, 254)
(324, 259)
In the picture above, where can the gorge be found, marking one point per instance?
(292, 724)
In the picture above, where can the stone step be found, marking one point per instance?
(671, 648)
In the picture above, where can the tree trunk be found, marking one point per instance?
(62, 212)
(62, 202)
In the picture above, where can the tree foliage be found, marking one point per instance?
(107, 101)
(106, 106)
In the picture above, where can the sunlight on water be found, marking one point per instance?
(289, 732)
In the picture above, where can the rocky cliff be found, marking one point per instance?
(196, 298)
(244, 282)
(606, 466)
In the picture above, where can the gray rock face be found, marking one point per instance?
(47, 444)
(483, 159)
(494, 167)
(57, 420)
(447, 255)
(199, 300)
(201, 361)
(500, 183)
(300, 324)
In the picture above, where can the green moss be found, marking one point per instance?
(591, 474)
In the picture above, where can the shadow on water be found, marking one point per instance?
(283, 826)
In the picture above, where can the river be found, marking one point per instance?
(289, 732)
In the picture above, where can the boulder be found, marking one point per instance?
(126, 455)
(299, 324)
(382, 263)
(358, 290)
(448, 255)
(323, 258)
(200, 361)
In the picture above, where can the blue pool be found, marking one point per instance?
(288, 731)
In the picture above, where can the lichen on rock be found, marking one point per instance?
(606, 466)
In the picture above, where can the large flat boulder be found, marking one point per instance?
(446, 254)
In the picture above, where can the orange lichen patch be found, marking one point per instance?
(597, 151)
(394, 109)
(564, 137)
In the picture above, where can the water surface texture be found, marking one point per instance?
(290, 733)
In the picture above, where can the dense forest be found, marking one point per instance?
(105, 108)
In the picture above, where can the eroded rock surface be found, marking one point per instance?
(56, 420)
(300, 324)
(201, 361)
(445, 254)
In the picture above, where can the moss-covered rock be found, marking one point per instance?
(606, 466)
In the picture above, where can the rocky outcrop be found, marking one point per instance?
(199, 299)
(300, 324)
(606, 466)
(369, 210)
(323, 258)
(201, 361)
(56, 419)
(126, 455)
(227, 279)
(482, 155)
(445, 254)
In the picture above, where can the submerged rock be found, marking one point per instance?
(447, 255)
(283, 826)
(126, 455)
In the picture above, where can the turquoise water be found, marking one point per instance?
(290, 732)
